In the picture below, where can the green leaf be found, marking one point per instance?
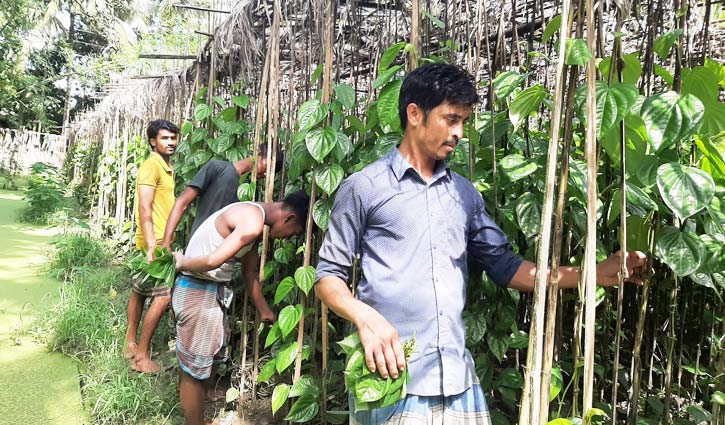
(279, 396)
(670, 117)
(663, 44)
(306, 385)
(437, 22)
(300, 160)
(202, 112)
(286, 356)
(242, 101)
(718, 397)
(506, 82)
(712, 161)
(320, 142)
(245, 191)
(311, 113)
(703, 83)
(329, 177)
(577, 52)
(267, 371)
(386, 76)
(498, 343)
(371, 388)
(274, 334)
(528, 214)
(516, 167)
(685, 190)
(389, 56)
(560, 421)
(231, 394)
(639, 198)
(698, 414)
(345, 94)
(316, 74)
(519, 339)
(663, 73)
(343, 147)
(288, 319)
(304, 409)
(556, 384)
(284, 288)
(526, 103)
(350, 343)
(551, 28)
(387, 105)
(682, 251)
(321, 213)
(511, 378)
(631, 71)
(281, 255)
(613, 104)
(305, 278)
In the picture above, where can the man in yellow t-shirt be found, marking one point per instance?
(154, 200)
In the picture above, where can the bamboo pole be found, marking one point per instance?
(532, 410)
(589, 269)
(414, 34)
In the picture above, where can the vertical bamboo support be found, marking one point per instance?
(532, 410)
(414, 34)
(589, 269)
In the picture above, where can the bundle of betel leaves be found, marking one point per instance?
(160, 272)
(372, 391)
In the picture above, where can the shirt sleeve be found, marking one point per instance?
(346, 227)
(489, 247)
(204, 178)
(148, 174)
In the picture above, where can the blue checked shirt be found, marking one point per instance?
(413, 239)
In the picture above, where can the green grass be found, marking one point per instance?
(89, 324)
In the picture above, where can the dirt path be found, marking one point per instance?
(36, 386)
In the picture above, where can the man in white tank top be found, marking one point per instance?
(201, 294)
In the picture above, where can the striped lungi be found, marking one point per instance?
(467, 408)
(202, 329)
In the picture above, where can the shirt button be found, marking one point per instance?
(435, 246)
(443, 348)
(440, 313)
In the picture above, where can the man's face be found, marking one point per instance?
(439, 135)
(165, 143)
(286, 227)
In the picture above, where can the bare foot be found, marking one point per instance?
(130, 351)
(144, 364)
(215, 395)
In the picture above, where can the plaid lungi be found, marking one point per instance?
(202, 329)
(467, 408)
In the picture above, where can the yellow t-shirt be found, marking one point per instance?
(156, 173)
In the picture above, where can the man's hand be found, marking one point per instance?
(383, 351)
(178, 260)
(609, 269)
(150, 254)
(267, 316)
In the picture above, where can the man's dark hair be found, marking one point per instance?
(433, 84)
(154, 126)
(298, 202)
(279, 159)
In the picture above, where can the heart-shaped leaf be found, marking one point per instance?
(516, 167)
(670, 117)
(682, 251)
(528, 214)
(320, 141)
(685, 190)
(328, 177)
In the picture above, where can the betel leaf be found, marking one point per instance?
(713, 161)
(202, 112)
(551, 28)
(350, 343)
(498, 343)
(516, 167)
(274, 334)
(528, 214)
(242, 100)
(387, 105)
(343, 147)
(320, 141)
(288, 319)
(328, 177)
(267, 371)
(664, 43)
(286, 356)
(702, 82)
(279, 396)
(386, 76)
(305, 278)
(345, 94)
(670, 117)
(682, 251)
(506, 82)
(526, 103)
(306, 385)
(666, 75)
(245, 191)
(283, 288)
(511, 378)
(556, 384)
(631, 71)
(560, 421)
(304, 409)
(311, 113)
(613, 104)
(577, 52)
(389, 56)
(321, 213)
(370, 388)
(685, 190)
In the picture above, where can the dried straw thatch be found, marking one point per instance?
(19, 149)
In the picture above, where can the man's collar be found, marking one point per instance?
(400, 166)
(167, 167)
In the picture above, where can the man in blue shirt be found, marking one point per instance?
(414, 223)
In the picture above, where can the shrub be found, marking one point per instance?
(45, 194)
(76, 251)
